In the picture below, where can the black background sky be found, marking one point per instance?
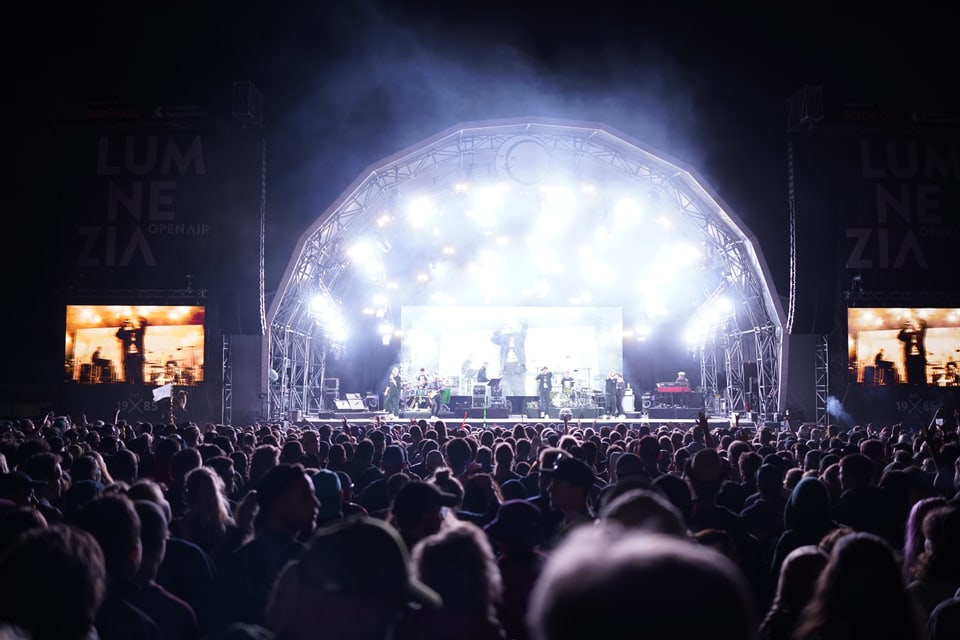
(350, 83)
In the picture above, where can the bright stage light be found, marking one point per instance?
(642, 332)
(490, 199)
(420, 211)
(626, 213)
(685, 254)
(600, 273)
(361, 252)
(422, 343)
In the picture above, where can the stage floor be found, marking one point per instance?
(633, 420)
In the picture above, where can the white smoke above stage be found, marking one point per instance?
(838, 413)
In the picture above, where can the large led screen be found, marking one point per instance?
(514, 342)
(141, 345)
(894, 345)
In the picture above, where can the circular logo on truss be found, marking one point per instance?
(524, 160)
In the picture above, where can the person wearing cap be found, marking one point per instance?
(326, 485)
(419, 510)
(20, 488)
(539, 496)
(44, 467)
(570, 482)
(610, 394)
(544, 389)
(353, 581)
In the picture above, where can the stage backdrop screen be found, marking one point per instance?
(142, 345)
(894, 345)
(515, 342)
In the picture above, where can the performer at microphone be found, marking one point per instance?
(620, 389)
(134, 355)
(544, 388)
(391, 395)
(913, 336)
(610, 395)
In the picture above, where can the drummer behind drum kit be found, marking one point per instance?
(576, 396)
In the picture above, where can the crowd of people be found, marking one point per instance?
(424, 530)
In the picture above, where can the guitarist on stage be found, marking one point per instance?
(434, 391)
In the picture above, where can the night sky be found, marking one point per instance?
(350, 83)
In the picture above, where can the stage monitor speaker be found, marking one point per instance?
(343, 405)
(460, 403)
(354, 401)
(372, 402)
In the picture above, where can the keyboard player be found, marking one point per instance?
(677, 391)
(883, 369)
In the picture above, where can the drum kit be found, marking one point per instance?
(576, 396)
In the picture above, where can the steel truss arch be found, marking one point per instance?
(297, 343)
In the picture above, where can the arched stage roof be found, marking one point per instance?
(619, 205)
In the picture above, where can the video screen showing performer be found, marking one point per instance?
(144, 345)
(903, 346)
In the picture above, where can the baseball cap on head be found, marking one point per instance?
(17, 481)
(517, 522)
(362, 556)
(421, 497)
(326, 486)
(571, 470)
